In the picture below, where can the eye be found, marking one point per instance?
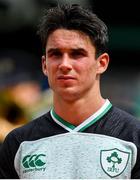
(54, 54)
(76, 54)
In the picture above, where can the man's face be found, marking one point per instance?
(70, 64)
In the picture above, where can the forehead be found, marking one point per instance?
(68, 39)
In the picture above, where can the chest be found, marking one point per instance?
(75, 156)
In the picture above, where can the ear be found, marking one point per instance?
(103, 61)
(44, 65)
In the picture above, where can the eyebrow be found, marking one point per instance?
(53, 50)
(79, 49)
(57, 49)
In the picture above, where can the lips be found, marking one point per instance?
(65, 77)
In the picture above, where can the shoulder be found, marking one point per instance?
(124, 125)
(32, 130)
(124, 117)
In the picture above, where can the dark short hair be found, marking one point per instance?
(74, 17)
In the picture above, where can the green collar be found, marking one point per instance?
(85, 124)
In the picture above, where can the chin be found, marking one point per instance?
(69, 95)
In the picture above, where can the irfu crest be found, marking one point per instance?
(114, 161)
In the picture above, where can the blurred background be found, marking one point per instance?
(24, 91)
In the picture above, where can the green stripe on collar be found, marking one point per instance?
(85, 124)
(96, 119)
(58, 118)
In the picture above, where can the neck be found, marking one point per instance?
(75, 112)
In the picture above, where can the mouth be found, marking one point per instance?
(65, 77)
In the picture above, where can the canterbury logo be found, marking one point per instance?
(33, 160)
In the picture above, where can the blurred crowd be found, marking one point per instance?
(24, 94)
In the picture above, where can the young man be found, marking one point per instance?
(83, 136)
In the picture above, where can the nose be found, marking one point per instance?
(65, 64)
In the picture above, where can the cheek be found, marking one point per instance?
(89, 69)
(51, 70)
(90, 74)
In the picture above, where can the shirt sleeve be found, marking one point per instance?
(7, 153)
(136, 170)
